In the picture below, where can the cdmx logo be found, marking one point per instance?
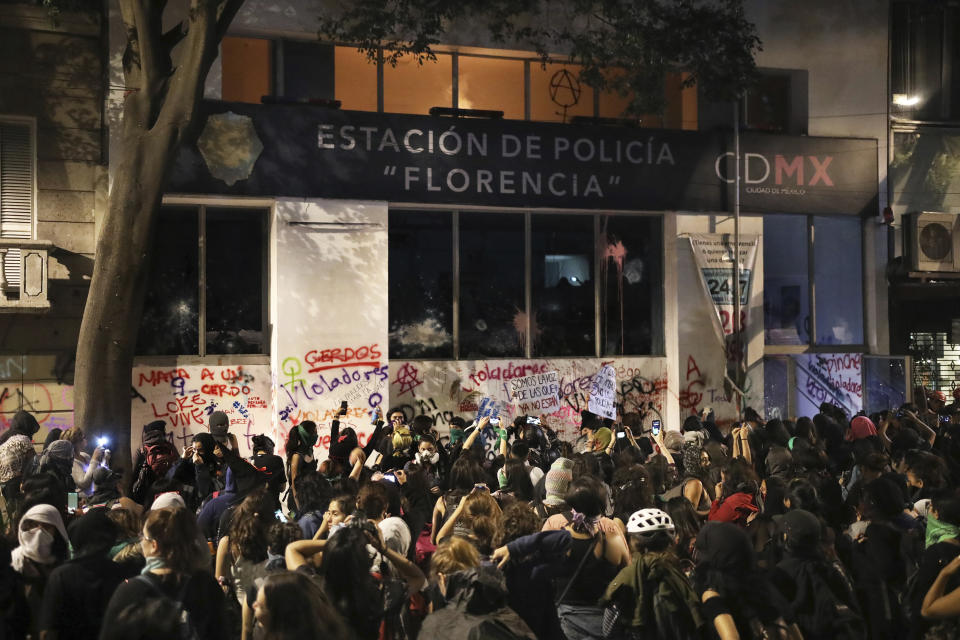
(805, 171)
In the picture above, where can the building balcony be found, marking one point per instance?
(24, 276)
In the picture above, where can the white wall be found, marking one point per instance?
(329, 311)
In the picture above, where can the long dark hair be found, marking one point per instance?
(176, 534)
(251, 524)
(295, 443)
(464, 474)
(347, 581)
(518, 480)
(298, 609)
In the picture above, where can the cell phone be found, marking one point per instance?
(495, 422)
(390, 477)
(944, 419)
(73, 499)
(103, 441)
(481, 487)
(621, 434)
(278, 514)
(533, 420)
(656, 427)
(343, 406)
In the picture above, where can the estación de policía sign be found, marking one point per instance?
(312, 152)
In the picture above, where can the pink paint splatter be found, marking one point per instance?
(520, 325)
(617, 252)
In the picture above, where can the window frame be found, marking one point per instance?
(455, 53)
(13, 284)
(528, 213)
(812, 346)
(269, 210)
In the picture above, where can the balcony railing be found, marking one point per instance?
(24, 281)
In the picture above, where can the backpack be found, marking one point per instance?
(160, 457)
(820, 611)
(188, 630)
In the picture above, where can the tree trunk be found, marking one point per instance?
(111, 318)
(159, 109)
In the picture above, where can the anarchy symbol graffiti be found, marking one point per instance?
(564, 89)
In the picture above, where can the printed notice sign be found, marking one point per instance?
(536, 393)
(603, 393)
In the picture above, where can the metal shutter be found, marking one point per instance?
(16, 191)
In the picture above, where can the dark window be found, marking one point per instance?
(562, 282)
(631, 284)
(767, 104)
(230, 314)
(170, 324)
(925, 75)
(421, 284)
(493, 319)
(308, 70)
(513, 302)
(235, 241)
(836, 273)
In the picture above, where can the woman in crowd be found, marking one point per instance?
(465, 474)
(736, 495)
(44, 546)
(84, 465)
(176, 570)
(738, 602)
(245, 545)
(300, 458)
(477, 518)
(291, 606)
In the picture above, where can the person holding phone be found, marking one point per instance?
(85, 465)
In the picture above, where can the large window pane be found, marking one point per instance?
(247, 74)
(631, 285)
(236, 242)
(838, 277)
(421, 284)
(557, 93)
(563, 285)
(493, 319)
(355, 80)
(416, 88)
(308, 70)
(170, 312)
(491, 83)
(786, 280)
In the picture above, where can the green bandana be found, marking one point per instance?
(456, 435)
(939, 531)
(308, 439)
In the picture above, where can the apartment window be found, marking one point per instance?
(206, 291)
(474, 285)
(924, 74)
(17, 189)
(813, 280)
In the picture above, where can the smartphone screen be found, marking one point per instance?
(278, 514)
(621, 434)
(656, 427)
(72, 501)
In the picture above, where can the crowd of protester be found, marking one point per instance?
(824, 527)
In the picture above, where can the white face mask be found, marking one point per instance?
(37, 544)
(428, 458)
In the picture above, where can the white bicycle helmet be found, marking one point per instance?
(649, 521)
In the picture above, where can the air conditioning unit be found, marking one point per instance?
(932, 241)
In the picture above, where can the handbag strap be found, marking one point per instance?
(576, 573)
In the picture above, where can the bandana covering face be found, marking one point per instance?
(456, 435)
(36, 544)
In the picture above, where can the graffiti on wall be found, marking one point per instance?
(312, 386)
(836, 378)
(31, 383)
(443, 390)
(185, 396)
